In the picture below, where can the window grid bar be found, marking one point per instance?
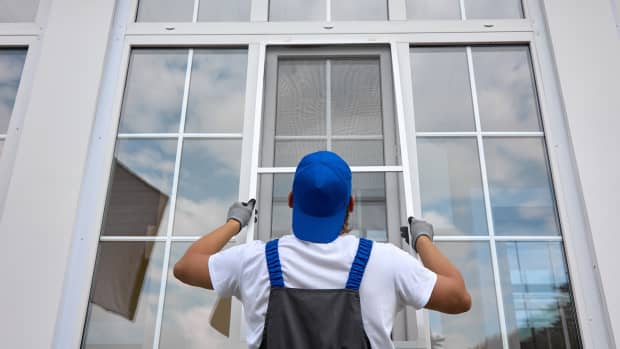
(328, 102)
(487, 201)
(328, 10)
(173, 197)
(520, 238)
(333, 137)
(354, 169)
(484, 134)
(195, 13)
(462, 8)
(175, 135)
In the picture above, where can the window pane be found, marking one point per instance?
(208, 185)
(493, 9)
(141, 184)
(165, 11)
(538, 303)
(300, 98)
(288, 153)
(360, 153)
(520, 187)
(436, 9)
(224, 11)
(11, 66)
(217, 91)
(154, 91)
(18, 10)
(506, 92)
(186, 313)
(1, 146)
(356, 97)
(123, 303)
(359, 10)
(441, 89)
(297, 10)
(451, 185)
(479, 327)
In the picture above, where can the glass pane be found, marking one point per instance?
(123, 303)
(186, 312)
(356, 97)
(359, 10)
(300, 98)
(165, 11)
(441, 89)
(538, 302)
(451, 185)
(479, 327)
(522, 197)
(11, 66)
(224, 11)
(217, 91)
(493, 9)
(1, 146)
(18, 11)
(289, 153)
(297, 10)
(369, 216)
(208, 185)
(506, 92)
(154, 91)
(141, 185)
(361, 153)
(436, 9)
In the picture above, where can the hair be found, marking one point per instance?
(345, 226)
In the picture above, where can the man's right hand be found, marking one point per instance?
(419, 228)
(241, 212)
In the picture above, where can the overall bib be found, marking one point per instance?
(315, 319)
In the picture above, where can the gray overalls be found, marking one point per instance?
(315, 319)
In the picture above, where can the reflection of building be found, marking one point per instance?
(498, 120)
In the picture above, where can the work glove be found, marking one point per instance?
(418, 228)
(241, 212)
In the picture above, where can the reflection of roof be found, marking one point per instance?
(138, 177)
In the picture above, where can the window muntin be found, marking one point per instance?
(14, 11)
(187, 11)
(11, 67)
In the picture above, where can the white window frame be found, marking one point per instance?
(399, 34)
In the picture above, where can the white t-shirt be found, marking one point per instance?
(392, 280)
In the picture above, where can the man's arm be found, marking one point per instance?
(193, 267)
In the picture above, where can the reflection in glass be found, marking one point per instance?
(186, 312)
(451, 185)
(208, 184)
(356, 97)
(522, 198)
(125, 293)
(288, 153)
(441, 89)
(154, 90)
(217, 90)
(18, 11)
(361, 153)
(493, 9)
(224, 11)
(506, 90)
(436, 9)
(11, 66)
(140, 189)
(1, 146)
(165, 11)
(359, 10)
(297, 10)
(479, 327)
(300, 98)
(538, 302)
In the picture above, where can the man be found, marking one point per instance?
(321, 287)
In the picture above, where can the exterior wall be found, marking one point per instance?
(41, 204)
(42, 199)
(587, 52)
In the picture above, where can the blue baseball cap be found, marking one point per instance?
(321, 194)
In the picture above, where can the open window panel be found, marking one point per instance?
(339, 99)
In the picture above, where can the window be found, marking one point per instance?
(486, 185)
(175, 172)
(464, 9)
(11, 66)
(13, 11)
(193, 10)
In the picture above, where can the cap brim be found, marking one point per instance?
(317, 229)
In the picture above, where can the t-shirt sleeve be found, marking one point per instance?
(225, 269)
(414, 282)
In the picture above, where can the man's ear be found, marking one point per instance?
(290, 199)
(351, 204)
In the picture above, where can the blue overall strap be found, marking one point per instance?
(359, 264)
(273, 264)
